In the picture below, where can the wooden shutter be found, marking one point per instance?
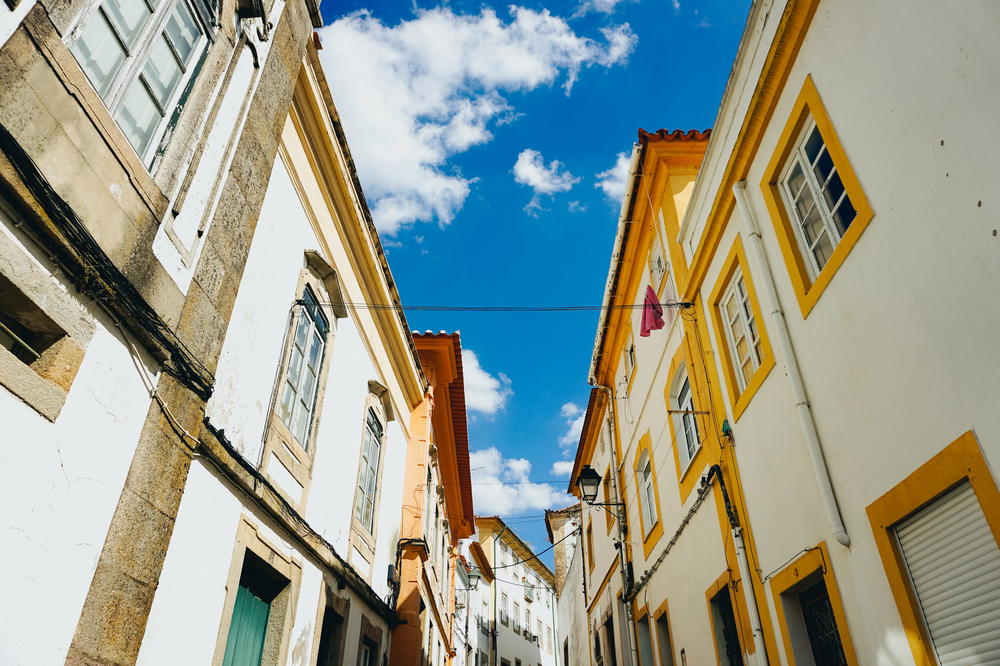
(245, 643)
(954, 566)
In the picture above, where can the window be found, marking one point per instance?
(298, 395)
(259, 586)
(140, 56)
(657, 264)
(590, 547)
(364, 506)
(629, 358)
(527, 620)
(609, 516)
(687, 435)
(548, 632)
(331, 637)
(517, 617)
(541, 636)
(815, 196)
(609, 641)
(663, 640)
(645, 641)
(647, 492)
(504, 605)
(504, 555)
(726, 633)
(953, 562)
(740, 327)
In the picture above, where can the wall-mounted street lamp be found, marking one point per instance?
(589, 482)
(473, 577)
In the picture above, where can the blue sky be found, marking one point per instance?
(488, 139)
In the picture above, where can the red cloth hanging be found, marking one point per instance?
(652, 313)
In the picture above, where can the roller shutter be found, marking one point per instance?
(954, 566)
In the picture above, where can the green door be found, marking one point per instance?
(245, 643)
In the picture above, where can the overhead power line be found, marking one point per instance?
(504, 308)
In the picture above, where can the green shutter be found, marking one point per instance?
(245, 643)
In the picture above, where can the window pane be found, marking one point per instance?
(315, 351)
(812, 226)
(138, 116)
(813, 144)
(295, 367)
(796, 179)
(182, 30)
(805, 203)
(308, 388)
(128, 17)
(161, 71)
(287, 401)
(823, 250)
(302, 331)
(301, 424)
(844, 215)
(99, 53)
(823, 167)
(832, 192)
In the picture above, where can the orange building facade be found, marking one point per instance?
(437, 508)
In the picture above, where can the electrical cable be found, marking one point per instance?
(535, 556)
(503, 308)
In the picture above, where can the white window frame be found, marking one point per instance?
(628, 358)
(137, 55)
(830, 227)
(504, 609)
(685, 424)
(658, 266)
(745, 321)
(307, 318)
(368, 470)
(647, 492)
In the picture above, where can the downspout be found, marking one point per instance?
(744, 564)
(630, 631)
(791, 364)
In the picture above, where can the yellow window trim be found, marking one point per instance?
(651, 533)
(737, 258)
(808, 291)
(609, 518)
(589, 536)
(736, 598)
(815, 559)
(962, 460)
(660, 611)
(687, 478)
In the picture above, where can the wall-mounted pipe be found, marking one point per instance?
(788, 359)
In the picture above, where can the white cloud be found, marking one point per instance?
(483, 392)
(530, 170)
(562, 468)
(612, 180)
(414, 94)
(574, 416)
(602, 6)
(500, 486)
(676, 5)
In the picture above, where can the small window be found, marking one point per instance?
(629, 358)
(816, 198)
(727, 636)
(657, 264)
(249, 626)
(663, 640)
(25, 330)
(299, 390)
(687, 435)
(590, 547)
(647, 492)
(740, 325)
(371, 450)
(140, 56)
(504, 605)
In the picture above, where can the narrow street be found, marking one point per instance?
(468, 333)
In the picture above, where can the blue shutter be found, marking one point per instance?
(245, 643)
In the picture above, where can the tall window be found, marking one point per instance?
(688, 425)
(140, 56)
(741, 329)
(657, 264)
(517, 617)
(815, 197)
(298, 394)
(646, 491)
(371, 449)
(590, 547)
(504, 605)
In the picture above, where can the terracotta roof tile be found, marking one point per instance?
(674, 135)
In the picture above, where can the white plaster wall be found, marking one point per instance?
(515, 646)
(62, 484)
(245, 380)
(898, 355)
(571, 614)
(11, 19)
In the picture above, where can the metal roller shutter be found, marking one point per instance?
(954, 565)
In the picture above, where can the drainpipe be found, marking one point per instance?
(744, 564)
(791, 364)
(630, 630)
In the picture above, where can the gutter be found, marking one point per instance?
(621, 238)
